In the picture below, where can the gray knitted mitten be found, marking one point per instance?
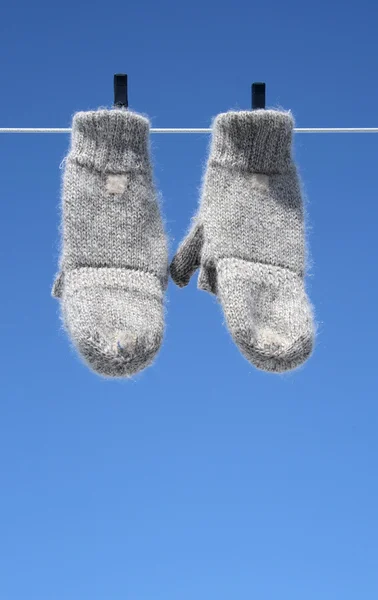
(248, 239)
(114, 264)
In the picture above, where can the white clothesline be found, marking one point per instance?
(193, 130)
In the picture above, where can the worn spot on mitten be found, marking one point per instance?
(126, 342)
(261, 180)
(116, 184)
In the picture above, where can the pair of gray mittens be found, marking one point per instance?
(247, 238)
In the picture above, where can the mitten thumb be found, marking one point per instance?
(188, 257)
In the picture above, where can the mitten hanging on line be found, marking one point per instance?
(114, 264)
(248, 238)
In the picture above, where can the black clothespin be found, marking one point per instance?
(120, 91)
(258, 95)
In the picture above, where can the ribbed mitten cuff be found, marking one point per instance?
(257, 141)
(113, 140)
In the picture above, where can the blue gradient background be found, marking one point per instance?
(203, 478)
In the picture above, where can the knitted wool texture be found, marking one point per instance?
(114, 264)
(248, 239)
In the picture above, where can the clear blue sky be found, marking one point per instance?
(202, 479)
